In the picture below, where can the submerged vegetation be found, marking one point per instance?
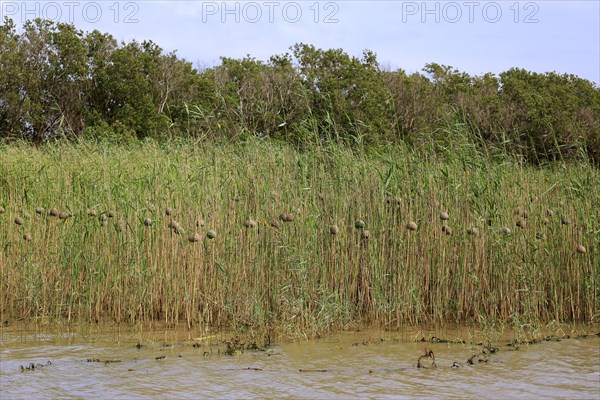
(260, 235)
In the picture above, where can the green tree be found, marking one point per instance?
(555, 116)
(347, 95)
(11, 97)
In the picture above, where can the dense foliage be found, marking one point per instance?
(57, 81)
(258, 236)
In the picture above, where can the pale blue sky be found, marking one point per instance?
(472, 36)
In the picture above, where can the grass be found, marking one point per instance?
(297, 277)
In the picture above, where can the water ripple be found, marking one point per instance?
(569, 369)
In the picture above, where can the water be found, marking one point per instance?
(350, 365)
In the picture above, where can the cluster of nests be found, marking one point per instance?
(288, 217)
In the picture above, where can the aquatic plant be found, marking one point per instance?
(297, 278)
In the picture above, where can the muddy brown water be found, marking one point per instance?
(106, 365)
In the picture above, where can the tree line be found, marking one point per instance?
(59, 82)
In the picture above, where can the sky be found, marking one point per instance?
(472, 36)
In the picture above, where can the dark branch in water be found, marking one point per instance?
(428, 355)
(313, 370)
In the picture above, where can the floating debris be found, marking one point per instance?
(245, 369)
(435, 339)
(313, 370)
(235, 346)
(33, 367)
(479, 357)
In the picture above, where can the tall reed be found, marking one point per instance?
(295, 276)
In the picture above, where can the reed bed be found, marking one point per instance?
(260, 235)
